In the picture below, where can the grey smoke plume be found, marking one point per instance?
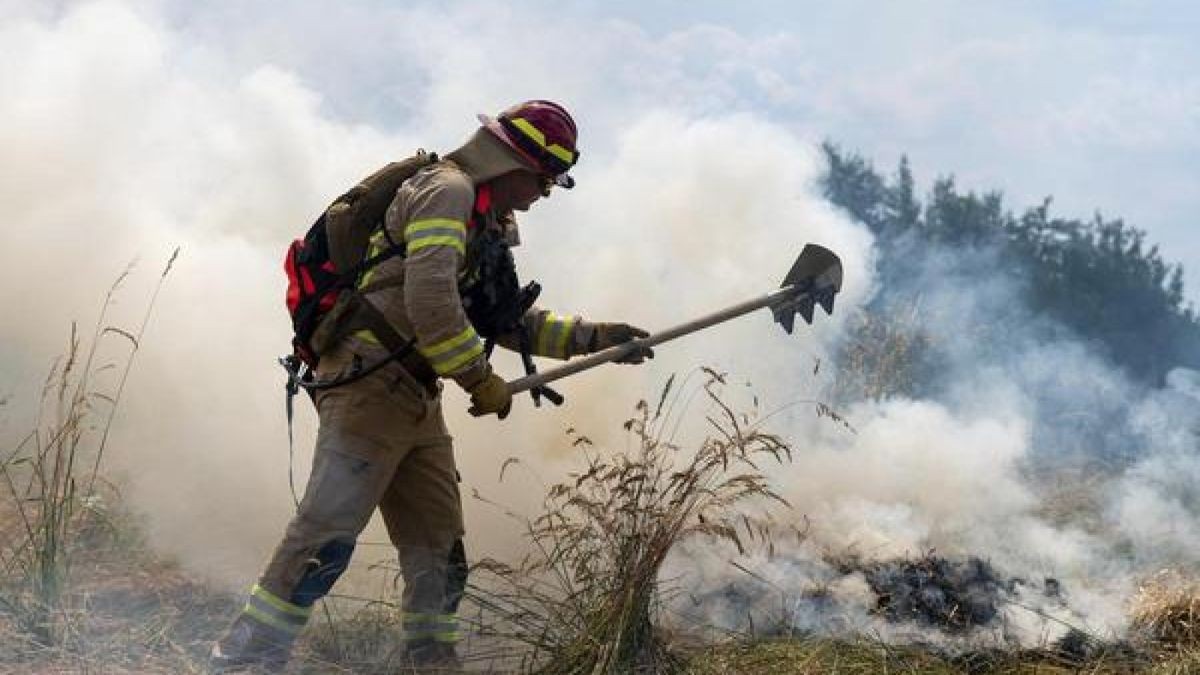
(123, 137)
(1031, 452)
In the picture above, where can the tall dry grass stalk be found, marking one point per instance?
(587, 596)
(49, 478)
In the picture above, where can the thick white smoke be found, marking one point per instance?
(126, 140)
(1034, 454)
(124, 137)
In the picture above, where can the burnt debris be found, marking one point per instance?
(953, 595)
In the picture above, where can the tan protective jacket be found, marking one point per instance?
(419, 293)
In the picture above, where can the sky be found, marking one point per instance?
(1094, 103)
(131, 127)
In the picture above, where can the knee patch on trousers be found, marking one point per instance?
(456, 576)
(322, 571)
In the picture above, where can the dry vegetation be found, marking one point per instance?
(80, 591)
(585, 599)
(1167, 611)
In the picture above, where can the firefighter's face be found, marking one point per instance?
(518, 190)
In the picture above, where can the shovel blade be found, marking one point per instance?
(786, 318)
(826, 302)
(816, 277)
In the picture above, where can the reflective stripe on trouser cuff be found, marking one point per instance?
(450, 355)
(553, 335)
(421, 234)
(438, 627)
(264, 607)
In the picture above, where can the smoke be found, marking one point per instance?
(1029, 451)
(125, 137)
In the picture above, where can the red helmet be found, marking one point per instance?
(543, 133)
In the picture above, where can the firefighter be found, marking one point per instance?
(382, 441)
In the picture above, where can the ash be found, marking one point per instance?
(952, 595)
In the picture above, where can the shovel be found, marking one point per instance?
(815, 278)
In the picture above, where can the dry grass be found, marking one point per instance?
(812, 657)
(79, 593)
(124, 612)
(1167, 611)
(864, 656)
(882, 355)
(585, 600)
(49, 493)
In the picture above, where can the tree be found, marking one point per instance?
(1098, 279)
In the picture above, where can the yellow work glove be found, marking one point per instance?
(607, 335)
(489, 396)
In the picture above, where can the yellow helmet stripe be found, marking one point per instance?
(538, 137)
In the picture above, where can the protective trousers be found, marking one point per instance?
(382, 443)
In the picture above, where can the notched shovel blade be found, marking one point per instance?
(816, 277)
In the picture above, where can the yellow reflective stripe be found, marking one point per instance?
(417, 226)
(280, 604)
(538, 137)
(435, 350)
(453, 242)
(541, 344)
(454, 362)
(374, 249)
(428, 232)
(531, 131)
(446, 620)
(367, 336)
(440, 636)
(459, 360)
(553, 335)
(560, 152)
(568, 327)
(440, 627)
(450, 355)
(275, 622)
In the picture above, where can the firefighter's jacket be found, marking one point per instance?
(434, 216)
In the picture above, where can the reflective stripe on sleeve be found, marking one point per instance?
(553, 334)
(267, 608)
(420, 234)
(450, 355)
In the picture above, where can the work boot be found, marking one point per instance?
(250, 647)
(431, 656)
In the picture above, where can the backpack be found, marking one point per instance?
(331, 257)
(324, 268)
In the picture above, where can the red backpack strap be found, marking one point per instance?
(483, 202)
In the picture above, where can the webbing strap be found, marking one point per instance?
(290, 389)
